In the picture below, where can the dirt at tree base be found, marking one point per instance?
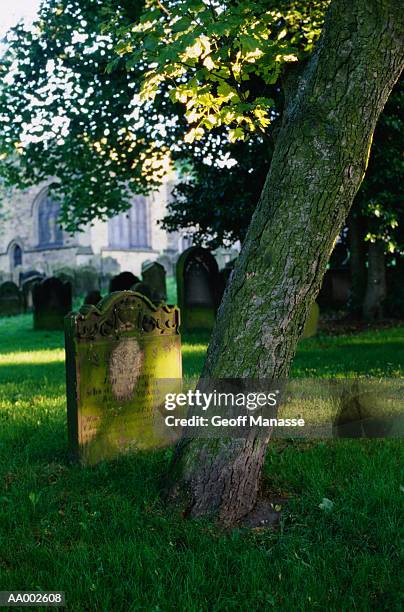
(266, 513)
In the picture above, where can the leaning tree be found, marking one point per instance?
(191, 69)
(318, 164)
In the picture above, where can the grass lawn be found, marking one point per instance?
(103, 536)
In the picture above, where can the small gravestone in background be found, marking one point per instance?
(310, 328)
(198, 288)
(168, 262)
(27, 282)
(52, 301)
(122, 357)
(123, 282)
(143, 289)
(93, 297)
(29, 275)
(154, 275)
(86, 279)
(66, 275)
(109, 268)
(11, 300)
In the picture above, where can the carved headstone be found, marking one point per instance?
(154, 275)
(11, 300)
(198, 288)
(310, 328)
(123, 282)
(121, 358)
(52, 301)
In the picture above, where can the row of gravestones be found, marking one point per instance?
(200, 286)
(51, 298)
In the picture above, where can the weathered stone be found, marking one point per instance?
(123, 282)
(30, 274)
(27, 282)
(11, 299)
(167, 260)
(154, 275)
(86, 279)
(52, 300)
(66, 275)
(121, 358)
(198, 288)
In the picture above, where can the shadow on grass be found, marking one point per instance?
(18, 335)
(49, 373)
(363, 358)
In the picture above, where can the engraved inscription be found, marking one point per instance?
(124, 368)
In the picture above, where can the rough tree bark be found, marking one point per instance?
(318, 164)
(376, 282)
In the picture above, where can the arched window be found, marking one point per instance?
(17, 256)
(130, 229)
(49, 231)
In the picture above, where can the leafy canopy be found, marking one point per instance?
(380, 199)
(101, 95)
(218, 59)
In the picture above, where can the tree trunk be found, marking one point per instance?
(318, 164)
(357, 262)
(376, 284)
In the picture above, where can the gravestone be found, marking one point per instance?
(168, 262)
(86, 279)
(52, 301)
(27, 282)
(143, 289)
(93, 297)
(122, 356)
(11, 300)
(154, 275)
(30, 274)
(105, 282)
(66, 275)
(123, 282)
(310, 328)
(198, 288)
(109, 268)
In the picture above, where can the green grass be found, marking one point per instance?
(103, 535)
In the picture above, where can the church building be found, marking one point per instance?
(31, 237)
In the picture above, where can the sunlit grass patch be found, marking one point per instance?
(33, 357)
